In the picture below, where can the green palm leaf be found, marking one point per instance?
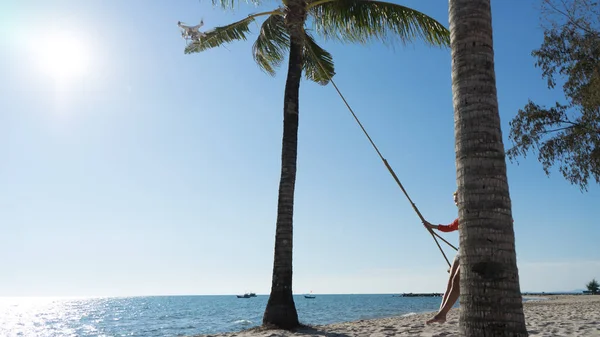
(230, 4)
(363, 20)
(272, 44)
(318, 63)
(221, 35)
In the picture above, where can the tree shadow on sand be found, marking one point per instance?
(315, 331)
(303, 330)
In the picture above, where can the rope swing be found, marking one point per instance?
(434, 235)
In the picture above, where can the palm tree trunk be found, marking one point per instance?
(281, 310)
(490, 300)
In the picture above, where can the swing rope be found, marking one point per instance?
(385, 162)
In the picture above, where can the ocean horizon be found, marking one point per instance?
(186, 315)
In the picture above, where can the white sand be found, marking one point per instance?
(577, 315)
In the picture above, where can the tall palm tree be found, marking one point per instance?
(285, 30)
(490, 299)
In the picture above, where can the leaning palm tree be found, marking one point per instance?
(490, 296)
(284, 30)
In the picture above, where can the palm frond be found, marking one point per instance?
(363, 20)
(221, 35)
(272, 44)
(230, 4)
(318, 63)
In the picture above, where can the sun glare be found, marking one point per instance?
(63, 56)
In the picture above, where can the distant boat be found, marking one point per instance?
(309, 296)
(246, 295)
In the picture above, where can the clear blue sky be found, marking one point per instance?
(129, 168)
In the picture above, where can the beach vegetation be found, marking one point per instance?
(593, 287)
(566, 134)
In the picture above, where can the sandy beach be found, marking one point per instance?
(576, 315)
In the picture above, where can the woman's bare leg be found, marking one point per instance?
(450, 296)
(451, 272)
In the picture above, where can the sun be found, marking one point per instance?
(63, 56)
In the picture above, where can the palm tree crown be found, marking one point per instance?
(356, 21)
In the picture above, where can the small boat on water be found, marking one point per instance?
(309, 296)
(246, 295)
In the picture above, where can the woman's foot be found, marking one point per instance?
(437, 319)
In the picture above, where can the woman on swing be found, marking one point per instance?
(453, 288)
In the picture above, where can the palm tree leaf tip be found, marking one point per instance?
(221, 35)
(361, 21)
(272, 44)
(231, 4)
(318, 63)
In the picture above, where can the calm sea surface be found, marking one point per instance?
(184, 315)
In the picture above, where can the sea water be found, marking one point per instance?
(185, 315)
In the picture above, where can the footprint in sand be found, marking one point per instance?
(387, 328)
